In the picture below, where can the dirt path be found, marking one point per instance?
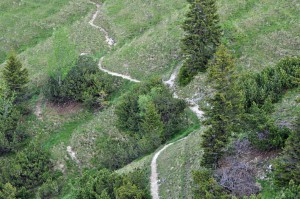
(38, 109)
(72, 154)
(171, 83)
(108, 39)
(110, 42)
(193, 105)
(154, 174)
(116, 74)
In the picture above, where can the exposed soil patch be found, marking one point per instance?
(66, 108)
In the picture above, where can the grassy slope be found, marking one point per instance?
(175, 166)
(147, 35)
(259, 33)
(27, 23)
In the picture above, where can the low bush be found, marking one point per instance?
(27, 170)
(206, 187)
(84, 83)
(108, 185)
(151, 104)
(263, 133)
(272, 82)
(288, 164)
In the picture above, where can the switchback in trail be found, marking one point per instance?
(171, 83)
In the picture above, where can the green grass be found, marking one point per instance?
(148, 37)
(260, 33)
(287, 110)
(24, 24)
(65, 132)
(175, 166)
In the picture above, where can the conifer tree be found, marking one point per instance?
(202, 37)
(15, 76)
(226, 107)
(287, 167)
(151, 127)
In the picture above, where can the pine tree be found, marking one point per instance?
(287, 167)
(151, 128)
(202, 37)
(226, 107)
(15, 76)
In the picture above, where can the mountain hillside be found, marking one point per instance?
(101, 114)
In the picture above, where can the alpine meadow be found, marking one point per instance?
(157, 99)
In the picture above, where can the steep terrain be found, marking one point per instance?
(137, 40)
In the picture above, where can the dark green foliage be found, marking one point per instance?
(8, 191)
(206, 187)
(171, 111)
(134, 185)
(150, 98)
(290, 192)
(108, 185)
(96, 184)
(202, 37)
(84, 83)
(50, 188)
(10, 133)
(261, 90)
(129, 191)
(113, 153)
(151, 126)
(27, 170)
(226, 110)
(148, 115)
(263, 132)
(287, 167)
(128, 113)
(15, 76)
(271, 83)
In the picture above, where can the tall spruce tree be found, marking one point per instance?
(226, 107)
(202, 37)
(15, 76)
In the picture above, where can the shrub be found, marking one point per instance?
(27, 170)
(8, 191)
(271, 83)
(114, 153)
(263, 133)
(108, 185)
(50, 188)
(290, 192)
(84, 83)
(287, 166)
(206, 187)
(150, 98)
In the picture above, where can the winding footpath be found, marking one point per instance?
(171, 83)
